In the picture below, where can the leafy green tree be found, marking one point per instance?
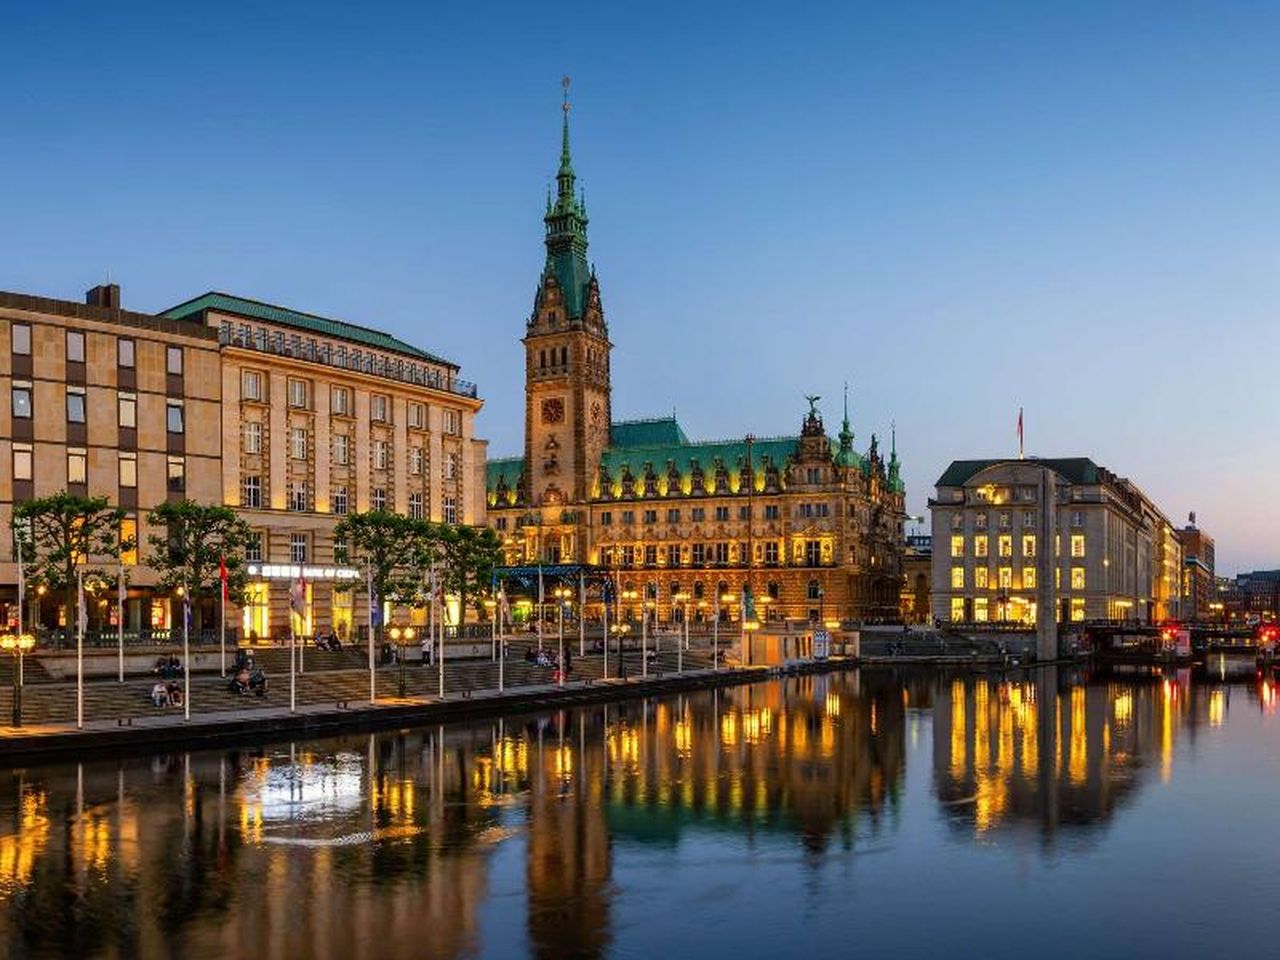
(468, 556)
(190, 540)
(390, 547)
(65, 533)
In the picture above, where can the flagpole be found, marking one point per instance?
(433, 598)
(186, 653)
(293, 661)
(582, 614)
(79, 649)
(222, 630)
(22, 596)
(373, 684)
(502, 643)
(540, 602)
(120, 621)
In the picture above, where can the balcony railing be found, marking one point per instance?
(360, 361)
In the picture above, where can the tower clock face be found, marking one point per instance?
(553, 410)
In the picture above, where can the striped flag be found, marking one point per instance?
(1019, 433)
(298, 596)
(222, 575)
(82, 612)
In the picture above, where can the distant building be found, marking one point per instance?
(917, 573)
(1250, 597)
(1115, 555)
(805, 524)
(1198, 580)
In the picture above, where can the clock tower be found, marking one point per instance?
(567, 348)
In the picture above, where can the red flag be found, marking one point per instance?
(1019, 432)
(222, 575)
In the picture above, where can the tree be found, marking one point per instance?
(191, 540)
(390, 547)
(469, 555)
(64, 534)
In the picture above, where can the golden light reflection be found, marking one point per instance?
(1122, 708)
(1217, 707)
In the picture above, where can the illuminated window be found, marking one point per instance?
(129, 541)
(957, 578)
(1077, 544)
(1077, 578)
(1077, 608)
(77, 466)
(1028, 578)
(1029, 545)
(980, 577)
(957, 546)
(127, 410)
(980, 614)
(128, 469)
(1005, 544)
(256, 612)
(957, 610)
(980, 545)
(22, 458)
(1006, 578)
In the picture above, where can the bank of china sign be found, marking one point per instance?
(292, 571)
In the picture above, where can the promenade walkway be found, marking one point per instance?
(327, 698)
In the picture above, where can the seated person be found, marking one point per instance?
(160, 694)
(240, 682)
(175, 694)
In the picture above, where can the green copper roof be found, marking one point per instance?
(323, 326)
(566, 233)
(1080, 470)
(730, 452)
(507, 468)
(645, 433)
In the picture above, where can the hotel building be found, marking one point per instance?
(321, 418)
(1114, 554)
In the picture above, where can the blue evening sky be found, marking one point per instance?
(957, 208)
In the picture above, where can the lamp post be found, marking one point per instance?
(491, 605)
(562, 595)
(17, 644)
(645, 607)
(630, 596)
(402, 637)
(715, 636)
(682, 598)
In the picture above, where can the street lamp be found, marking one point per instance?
(630, 595)
(491, 605)
(682, 598)
(725, 597)
(401, 637)
(17, 644)
(645, 607)
(562, 595)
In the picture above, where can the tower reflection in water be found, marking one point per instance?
(434, 841)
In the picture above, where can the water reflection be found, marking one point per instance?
(511, 836)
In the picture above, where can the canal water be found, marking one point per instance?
(852, 814)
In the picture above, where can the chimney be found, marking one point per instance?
(104, 295)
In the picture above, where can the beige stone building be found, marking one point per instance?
(321, 418)
(1114, 555)
(107, 402)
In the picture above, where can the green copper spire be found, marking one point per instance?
(895, 469)
(566, 229)
(845, 456)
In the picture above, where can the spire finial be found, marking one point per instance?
(846, 401)
(893, 439)
(564, 147)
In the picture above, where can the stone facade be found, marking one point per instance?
(105, 402)
(321, 418)
(798, 526)
(1115, 555)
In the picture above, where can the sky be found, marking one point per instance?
(957, 209)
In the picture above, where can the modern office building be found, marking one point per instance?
(1114, 555)
(805, 524)
(1198, 579)
(105, 402)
